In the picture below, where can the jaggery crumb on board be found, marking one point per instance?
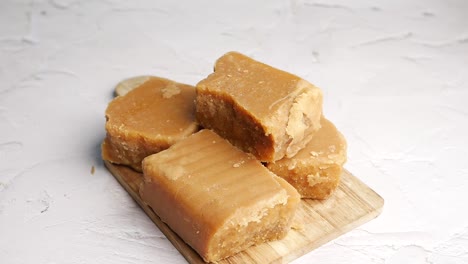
(148, 119)
(217, 208)
(262, 110)
(315, 170)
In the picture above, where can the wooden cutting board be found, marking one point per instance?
(315, 223)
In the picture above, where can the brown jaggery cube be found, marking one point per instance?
(217, 198)
(148, 119)
(315, 170)
(262, 110)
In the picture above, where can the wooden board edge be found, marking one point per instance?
(377, 205)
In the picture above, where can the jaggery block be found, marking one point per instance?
(148, 119)
(315, 170)
(262, 110)
(217, 198)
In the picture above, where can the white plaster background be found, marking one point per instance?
(394, 75)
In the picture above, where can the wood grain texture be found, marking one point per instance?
(315, 223)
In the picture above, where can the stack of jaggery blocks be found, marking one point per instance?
(227, 162)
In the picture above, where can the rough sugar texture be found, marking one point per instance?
(218, 199)
(148, 119)
(262, 110)
(315, 170)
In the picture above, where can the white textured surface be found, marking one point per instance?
(394, 74)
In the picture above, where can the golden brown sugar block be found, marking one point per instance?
(262, 110)
(315, 170)
(148, 119)
(217, 198)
